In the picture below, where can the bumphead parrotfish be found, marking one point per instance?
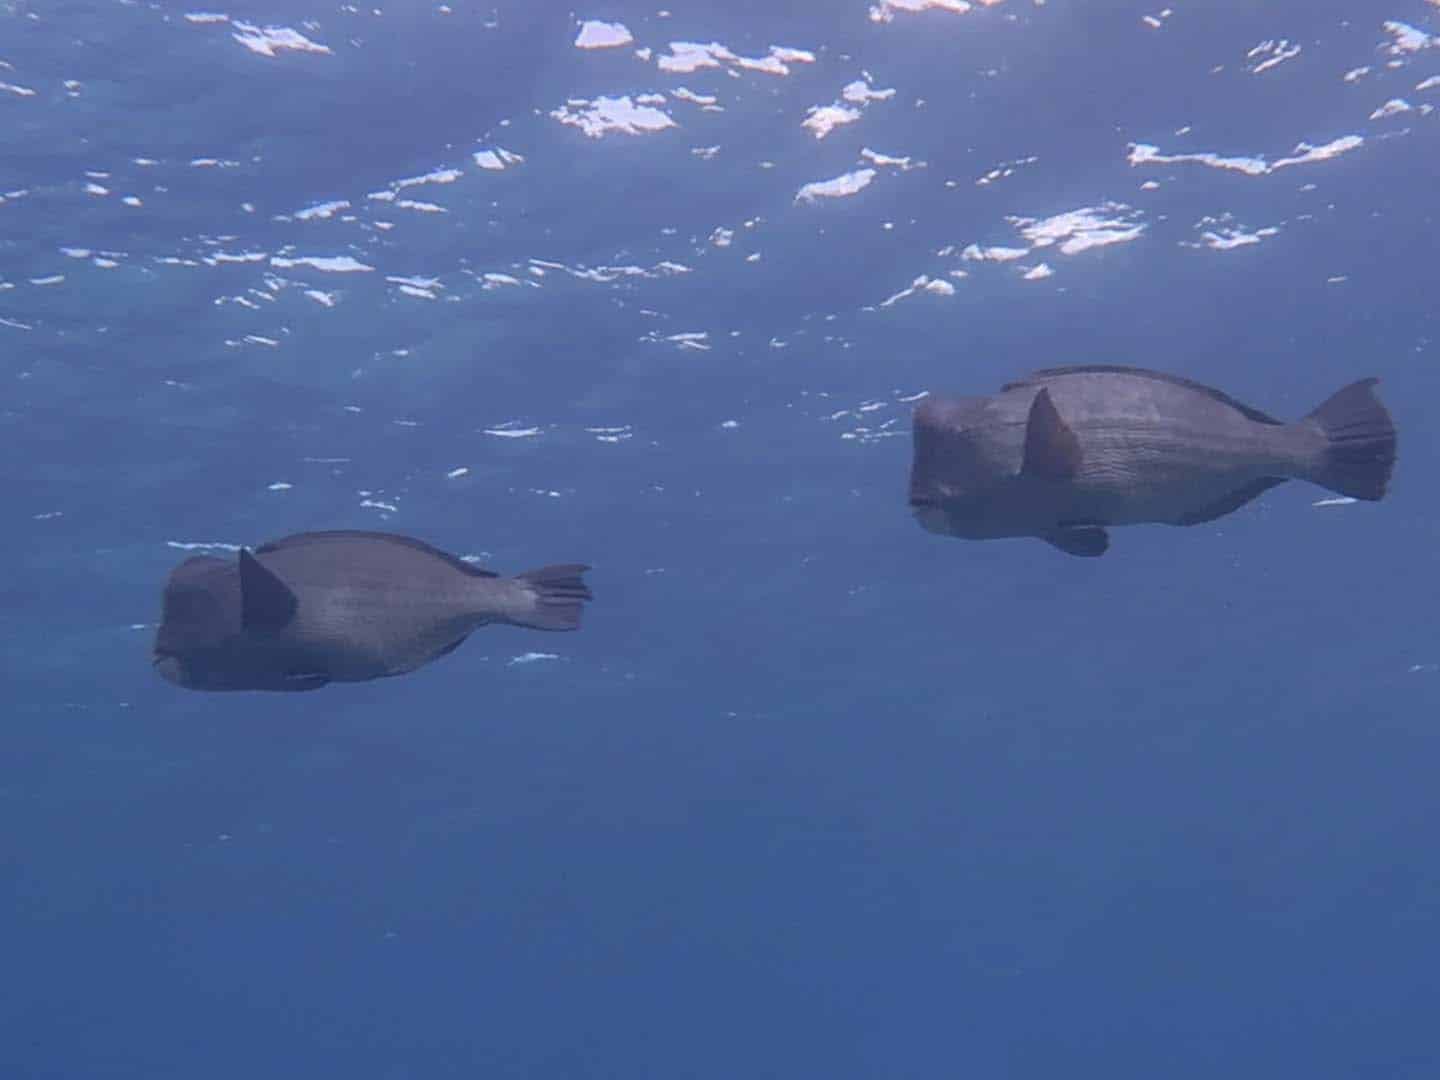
(1068, 451)
(342, 606)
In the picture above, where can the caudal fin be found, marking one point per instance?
(559, 594)
(1360, 442)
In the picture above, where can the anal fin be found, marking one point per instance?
(1084, 540)
(1233, 501)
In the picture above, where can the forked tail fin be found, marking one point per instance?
(1359, 442)
(559, 595)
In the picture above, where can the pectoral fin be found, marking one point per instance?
(1051, 449)
(1086, 540)
(266, 602)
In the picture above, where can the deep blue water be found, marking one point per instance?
(813, 793)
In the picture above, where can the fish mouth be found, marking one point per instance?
(169, 668)
(921, 502)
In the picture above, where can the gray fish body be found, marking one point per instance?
(1068, 451)
(341, 607)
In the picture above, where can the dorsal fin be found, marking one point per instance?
(266, 602)
(329, 536)
(1143, 373)
(1051, 449)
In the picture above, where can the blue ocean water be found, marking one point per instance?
(813, 793)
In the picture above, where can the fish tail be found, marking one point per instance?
(557, 596)
(1359, 450)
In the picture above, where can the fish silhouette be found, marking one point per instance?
(1068, 451)
(320, 607)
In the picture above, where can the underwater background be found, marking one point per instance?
(813, 793)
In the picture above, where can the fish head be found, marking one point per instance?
(200, 607)
(955, 472)
(200, 644)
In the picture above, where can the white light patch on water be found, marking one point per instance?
(886, 10)
(681, 93)
(607, 114)
(497, 159)
(823, 119)
(695, 340)
(1269, 54)
(202, 545)
(205, 17)
(820, 120)
(860, 92)
(424, 288)
(904, 164)
(1429, 84)
(788, 55)
(846, 184)
(53, 279)
(1404, 38)
(595, 34)
(375, 504)
(1356, 74)
(1393, 107)
(770, 65)
(531, 657)
(1304, 153)
(1157, 21)
(270, 40)
(456, 474)
(923, 283)
(611, 434)
(1337, 500)
(690, 56)
(1038, 272)
(218, 257)
(1144, 154)
(1081, 230)
(1004, 169)
(493, 280)
(332, 264)
(322, 210)
(436, 176)
(279, 485)
(506, 431)
(1220, 234)
(423, 207)
(324, 299)
(18, 91)
(93, 188)
(687, 57)
(976, 253)
(722, 238)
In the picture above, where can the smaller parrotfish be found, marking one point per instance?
(322, 607)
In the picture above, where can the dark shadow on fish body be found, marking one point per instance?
(1066, 452)
(345, 606)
